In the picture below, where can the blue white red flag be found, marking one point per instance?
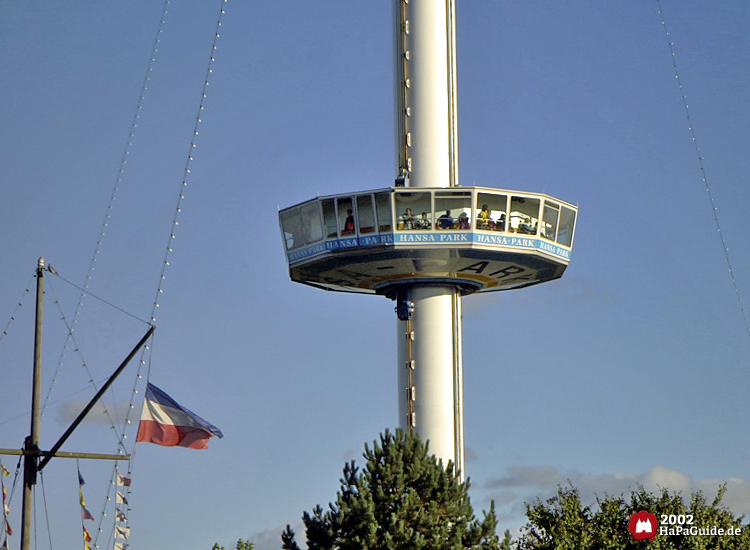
(166, 422)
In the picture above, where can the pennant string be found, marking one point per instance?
(121, 484)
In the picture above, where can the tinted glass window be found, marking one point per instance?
(414, 210)
(329, 217)
(291, 224)
(453, 209)
(383, 203)
(345, 214)
(312, 225)
(549, 220)
(491, 212)
(365, 214)
(567, 225)
(524, 215)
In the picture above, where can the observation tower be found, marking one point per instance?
(426, 241)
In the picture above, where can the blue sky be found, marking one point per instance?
(633, 368)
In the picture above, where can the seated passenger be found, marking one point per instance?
(526, 227)
(446, 220)
(463, 221)
(500, 224)
(484, 219)
(408, 219)
(422, 222)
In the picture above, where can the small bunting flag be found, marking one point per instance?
(85, 514)
(123, 481)
(122, 532)
(6, 507)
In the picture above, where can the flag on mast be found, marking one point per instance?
(120, 498)
(85, 514)
(166, 422)
(122, 531)
(6, 507)
(123, 481)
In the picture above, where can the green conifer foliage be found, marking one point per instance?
(564, 523)
(403, 498)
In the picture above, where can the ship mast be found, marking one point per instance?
(31, 452)
(31, 444)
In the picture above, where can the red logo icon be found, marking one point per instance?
(643, 525)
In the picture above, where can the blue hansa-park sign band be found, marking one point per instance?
(416, 238)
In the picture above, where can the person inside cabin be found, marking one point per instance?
(408, 219)
(485, 218)
(422, 222)
(349, 223)
(463, 221)
(446, 220)
(500, 224)
(527, 226)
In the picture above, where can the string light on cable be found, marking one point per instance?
(115, 189)
(714, 209)
(19, 305)
(190, 158)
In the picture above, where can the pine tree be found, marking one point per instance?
(564, 523)
(403, 498)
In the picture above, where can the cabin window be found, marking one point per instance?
(524, 215)
(345, 215)
(312, 225)
(329, 219)
(491, 211)
(567, 225)
(291, 224)
(414, 210)
(365, 214)
(550, 218)
(385, 216)
(453, 209)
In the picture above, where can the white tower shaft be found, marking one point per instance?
(430, 366)
(426, 125)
